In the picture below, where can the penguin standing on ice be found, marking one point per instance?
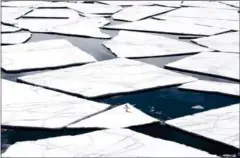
(127, 108)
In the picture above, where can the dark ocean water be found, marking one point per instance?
(164, 103)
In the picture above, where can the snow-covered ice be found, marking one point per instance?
(218, 124)
(226, 42)
(214, 63)
(108, 77)
(43, 54)
(136, 44)
(205, 13)
(118, 117)
(104, 143)
(163, 26)
(28, 106)
(214, 87)
(82, 26)
(52, 13)
(9, 29)
(135, 13)
(15, 37)
(95, 8)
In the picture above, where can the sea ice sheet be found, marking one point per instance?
(206, 4)
(107, 78)
(231, 3)
(94, 8)
(227, 42)
(212, 86)
(11, 13)
(213, 63)
(175, 4)
(82, 26)
(205, 13)
(219, 124)
(104, 143)
(43, 54)
(35, 4)
(136, 44)
(28, 106)
(135, 13)
(162, 26)
(15, 38)
(52, 13)
(126, 3)
(224, 24)
(118, 117)
(21, 3)
(9, 29)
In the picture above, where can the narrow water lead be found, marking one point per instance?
(172, 134)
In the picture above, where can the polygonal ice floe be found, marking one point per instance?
(227, 42)
(22, 3)
(107, 78)
(231, 3)
(34, 4)
(212, 86)
(205, 13)
(9, 29)
(117, 117)
(12, 13)
(15, 38)
(52, 13)
(82, 26)
(212, 63)
(104, 143)
(126, 3)
(175, 4)
(224, 24)
(43, 54)
(139, 12)
(162, 26)
(28, 106)
(219, 124)
(94, 8)
(206, 4)
(136, 44)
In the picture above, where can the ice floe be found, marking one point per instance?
(107, 78)
(226, 42)
(104, 143)
(35, 4)
(9, 29)
(82, 26)
(29, 4)
(135, 13)
(94, 8)
(126, 3)
(52, 13)
(12, 13)
(213, 63)
(175, 4)
(219, 124)
(136, 44)
(34, 107)
(163, 26)
(212, 86)
(15, 38)
(206, 4)
(205, 13)
(43, 54)
(117, 117)
(231, 3)
(225, 24)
